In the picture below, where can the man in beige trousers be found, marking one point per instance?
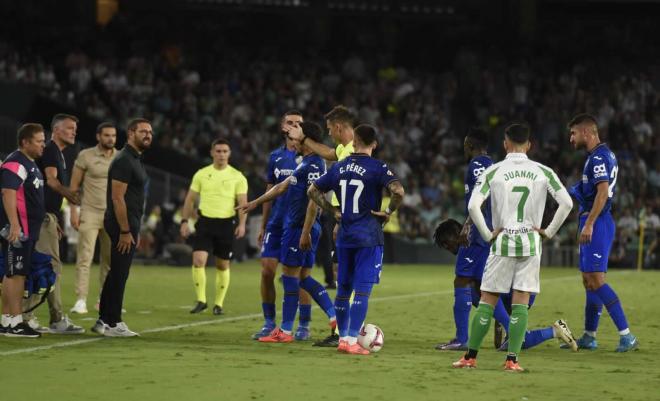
(53, 167)
(90, 172)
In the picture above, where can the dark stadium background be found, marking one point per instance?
(421, 71)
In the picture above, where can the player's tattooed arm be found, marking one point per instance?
(272, 193)
(316, 195)
(397, 193)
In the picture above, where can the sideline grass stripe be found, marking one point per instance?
(243, 317)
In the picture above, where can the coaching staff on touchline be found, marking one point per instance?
(125, 204)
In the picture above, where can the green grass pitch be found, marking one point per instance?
(184, 357)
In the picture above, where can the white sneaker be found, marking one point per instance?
(36, 326)
(65, 326)
(120, 330)
(564, 334)
(80, 307)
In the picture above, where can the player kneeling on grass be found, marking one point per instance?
(447, 236)
(301, 236)
(518, 188)
(359, 179)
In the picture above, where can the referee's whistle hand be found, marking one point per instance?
(239, 232)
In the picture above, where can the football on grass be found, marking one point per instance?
(371, 337)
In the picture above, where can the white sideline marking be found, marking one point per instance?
(243, 317)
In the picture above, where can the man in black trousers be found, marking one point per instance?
(125, 204)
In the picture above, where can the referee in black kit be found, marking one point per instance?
(125, 198)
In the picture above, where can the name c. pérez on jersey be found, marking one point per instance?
(519, 174)
(353, 168)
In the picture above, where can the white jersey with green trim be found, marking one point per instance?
(518, 187)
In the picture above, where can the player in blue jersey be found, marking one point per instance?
(300, 237)
(359, 180)
(472, 255)
(448, 236)
(281, 164)
(594, 194)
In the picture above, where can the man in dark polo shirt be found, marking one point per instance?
(125, 204)
(55, 172)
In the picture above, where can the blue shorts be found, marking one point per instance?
(359, 265)
(291, 255)
(272, 245)
(471, 261)
(594, 255)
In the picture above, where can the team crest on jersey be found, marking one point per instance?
(37, 183)
(299, 159)
(467, 189)
(389, 172)
(294, 180)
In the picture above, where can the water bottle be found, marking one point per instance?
(21, 237)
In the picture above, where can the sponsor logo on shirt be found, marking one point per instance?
(600, 170)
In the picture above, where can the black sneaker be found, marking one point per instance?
(330, 341)
(22, 330)
(217, 310)
(3, 330)
(199, 306)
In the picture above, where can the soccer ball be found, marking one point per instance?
(371, 337)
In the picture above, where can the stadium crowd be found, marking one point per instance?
(422, 114)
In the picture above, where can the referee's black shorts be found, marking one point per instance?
(214, 236)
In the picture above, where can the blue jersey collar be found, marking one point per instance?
(596, 147)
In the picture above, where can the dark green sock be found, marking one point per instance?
(517, 327)
(480, 325)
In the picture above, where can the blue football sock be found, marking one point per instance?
(304, 315)
(359, 309)
(613, 305)
(532, 298)
(269, 313)
(501, 316)
(536, 337)
(343, 308)
(592, 311)
(462, 305)
(290, 302)
(320, 295)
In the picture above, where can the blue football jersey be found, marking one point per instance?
(295, 202)
(281, 164)
(601, 165)
(475, 168)
(359, 180)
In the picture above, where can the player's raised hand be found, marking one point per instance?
(586, 233)
(305, 243)
(294, 132)
(246, 208)
(382, 216)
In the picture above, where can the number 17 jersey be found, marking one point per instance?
(359, 181)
